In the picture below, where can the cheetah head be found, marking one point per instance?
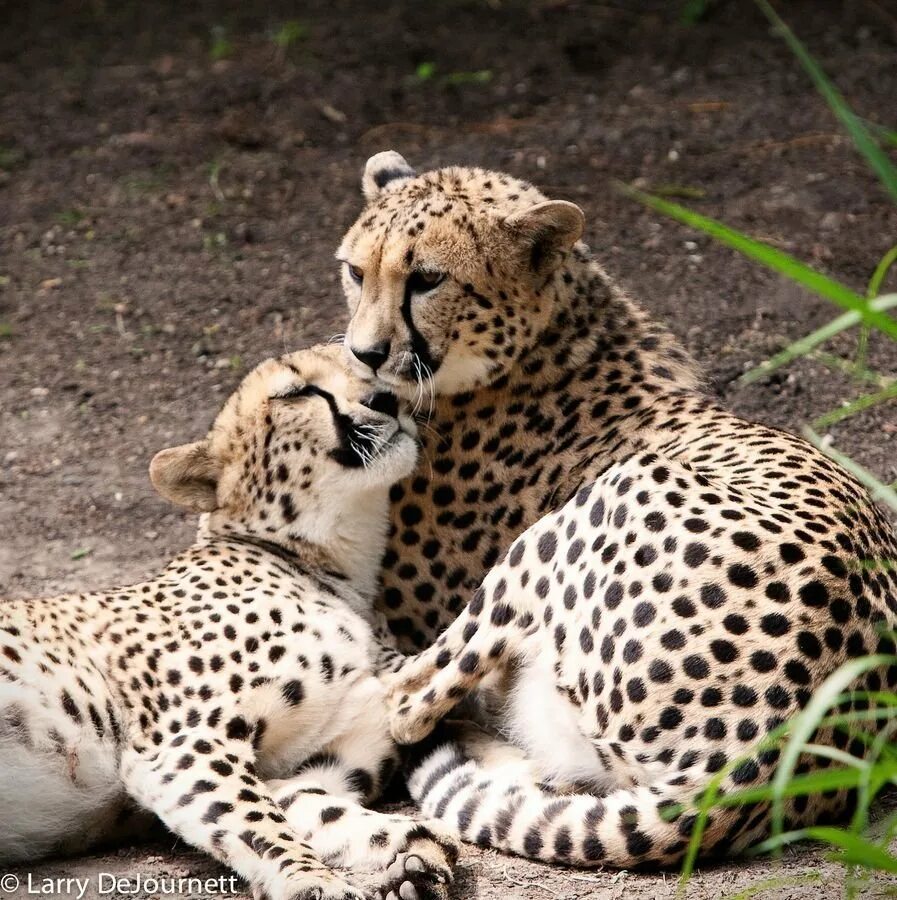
(449, 274)
(302, 447)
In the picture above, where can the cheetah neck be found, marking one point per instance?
(592, 321)
(341, 544)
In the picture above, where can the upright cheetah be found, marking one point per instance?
(681, 580)
(235, 695)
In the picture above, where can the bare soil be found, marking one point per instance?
(173, 184)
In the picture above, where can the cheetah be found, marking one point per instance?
(235, 695)
(654, 584)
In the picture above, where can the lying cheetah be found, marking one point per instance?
(235, 694)
(684, 579)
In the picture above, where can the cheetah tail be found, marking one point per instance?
(495, 808)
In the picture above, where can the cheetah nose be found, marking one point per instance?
(373, 356)
(383, 402)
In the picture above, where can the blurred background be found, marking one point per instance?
(174, 179)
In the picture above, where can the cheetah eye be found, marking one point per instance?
(421, 281)
(355, 273)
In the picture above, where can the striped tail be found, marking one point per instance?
(496, 805)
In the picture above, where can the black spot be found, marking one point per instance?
(696, 554)
(670, 717)
(662, 582)
(774, 624)
(660, 671)
(747, 730)
(293, 692)
(712, 596)
(745, 772)
(635, 690)
(796, 672)
(763, 661)
(683, 607)
(655, 521)
(331, 814)
(532, 842)
(809, 645)
(645, 555)
(695, 666)
(742, 576)
(644, 614)
(502, 613)
(237, 729)
(70, 707)
(215, 811)
(745, 540)
(777, 697)
(791, 553)
(469, 663)
(814, 594)
(724, 651)
(547, 546)
(743, 695)
(672, 640)
(735, 624)
(714, 729)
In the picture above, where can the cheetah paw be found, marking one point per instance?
(412, 716)
(412, 729)
(422, 871)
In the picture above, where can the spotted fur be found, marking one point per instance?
(663, 584)
(235, 695)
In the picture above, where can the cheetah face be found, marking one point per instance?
(300, 441)
(448, 274)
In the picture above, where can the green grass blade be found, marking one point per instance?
(710, 797)
(856, 851)
(772, 258)
(838, 756)
(885, 135)
(876, 776)
(865, 143)
(875, 283)
(855, 370)
(805, 345)
(800, 785)
(881, 270)
(805, 724)
(854, 407)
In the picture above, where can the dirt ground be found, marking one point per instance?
(174, 179)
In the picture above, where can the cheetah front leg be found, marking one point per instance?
(323, 802)
(493, 628)
(416, 858)
(206, 791)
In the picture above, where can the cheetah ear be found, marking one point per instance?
(382, 168)
(186, 475)
(549, 230)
